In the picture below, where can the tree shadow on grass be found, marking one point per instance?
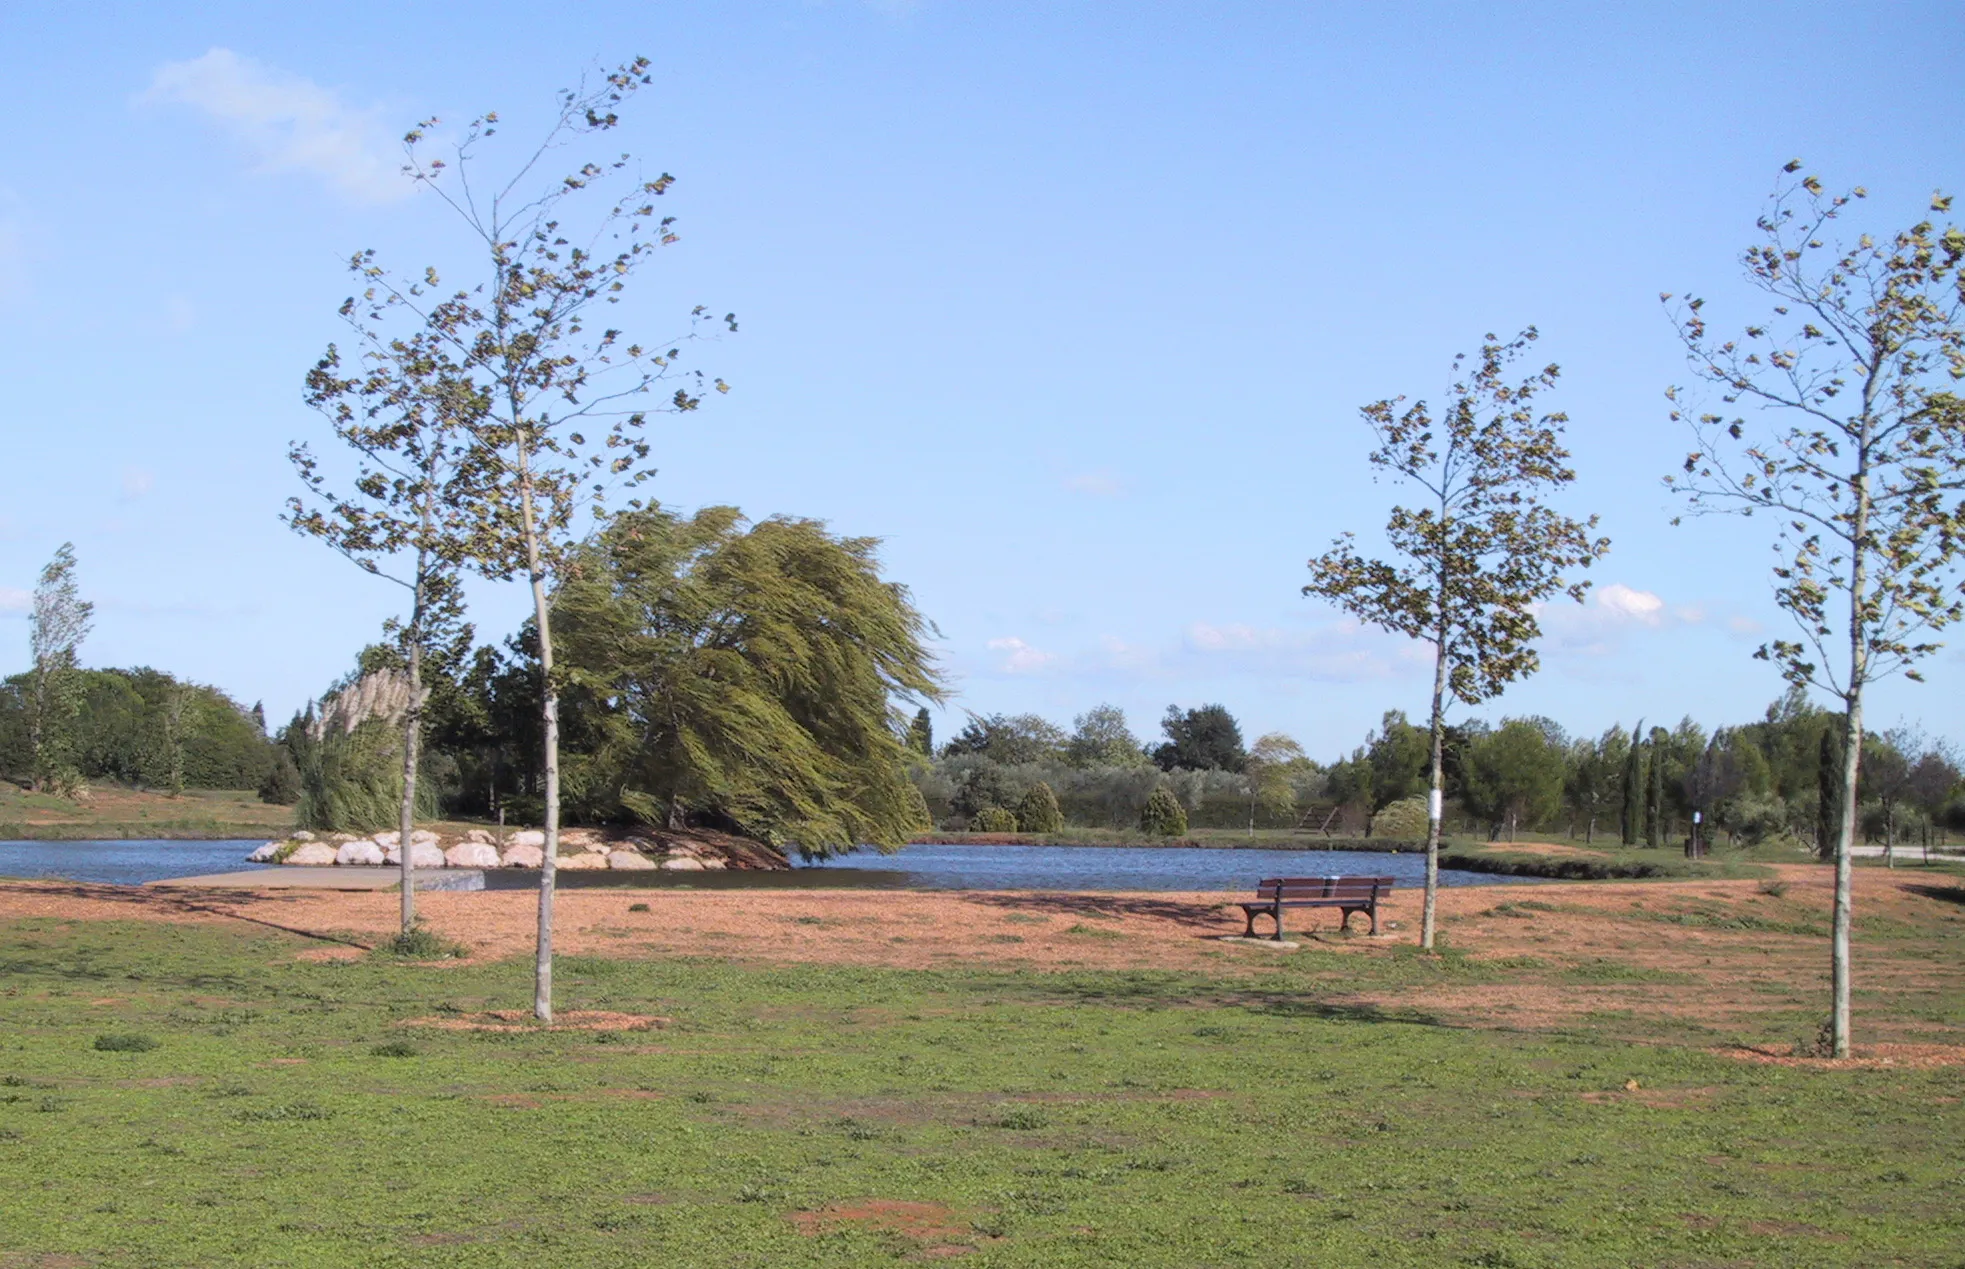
(1140, 989)
(183, 900)
(1943, 894)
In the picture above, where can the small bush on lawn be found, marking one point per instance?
(124, 1044)
(393, 1048)
(421, 944)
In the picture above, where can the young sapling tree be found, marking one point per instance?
(415, 507)
(563, 399)
(1479, 555)
(1854, 450)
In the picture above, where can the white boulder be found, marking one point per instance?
(264, 855)
(528, 837)
(682, 863)
(471, 855)
(478, 835)
(354, 853)
(522, 857)
(422, 837)
(302, 836)
(312, 854)
(584, 860)
(629, 861)
(421, 855)
(712, 864)
(386, 839)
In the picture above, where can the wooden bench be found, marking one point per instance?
(1349, 894)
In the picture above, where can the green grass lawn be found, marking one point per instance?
(286, 1116)
(112, 812)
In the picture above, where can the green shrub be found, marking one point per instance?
(1038, 812)
(393, 1049)
(421, 944)
(1163, 816)
(281, 787)
(1404, 820)
(993, 819)
(124, 1044)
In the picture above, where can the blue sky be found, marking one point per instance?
(1071, 304)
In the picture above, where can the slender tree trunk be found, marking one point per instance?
(1852, 754)
(1436, 794)
(542, 971)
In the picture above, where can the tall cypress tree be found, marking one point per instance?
(1632, 818)
(1828, 794)
(1654, 800)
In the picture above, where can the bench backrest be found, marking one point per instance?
(1287, 888)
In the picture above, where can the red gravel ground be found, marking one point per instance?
(1734, 960)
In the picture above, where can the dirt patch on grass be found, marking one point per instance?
(934, 1224)
(1549, 848)
(1655, 1098)
(520, 1020)
(1867, 1057)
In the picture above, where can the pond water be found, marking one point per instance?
(946, 866)
(125, 863)
(935, 866)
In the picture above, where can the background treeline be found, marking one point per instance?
(142, 728)
(1771, 780)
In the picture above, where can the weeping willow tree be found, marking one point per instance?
(739, 676)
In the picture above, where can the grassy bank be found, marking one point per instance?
(191, 1094)
(110, 813)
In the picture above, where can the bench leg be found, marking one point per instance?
(1345, 924)
(1373, 911)
(1249, 932)
(1279, 923)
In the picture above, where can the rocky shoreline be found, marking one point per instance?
(689, 850)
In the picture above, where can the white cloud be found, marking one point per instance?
(1097, 484)
(1610, 612)
(15, 601)
(1621, 601)
(1020, 657)
(286, 122)
(1343, 651)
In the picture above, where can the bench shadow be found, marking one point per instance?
(1189, 914)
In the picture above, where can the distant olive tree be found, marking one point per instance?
(1482, 552)
(1855, 450)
